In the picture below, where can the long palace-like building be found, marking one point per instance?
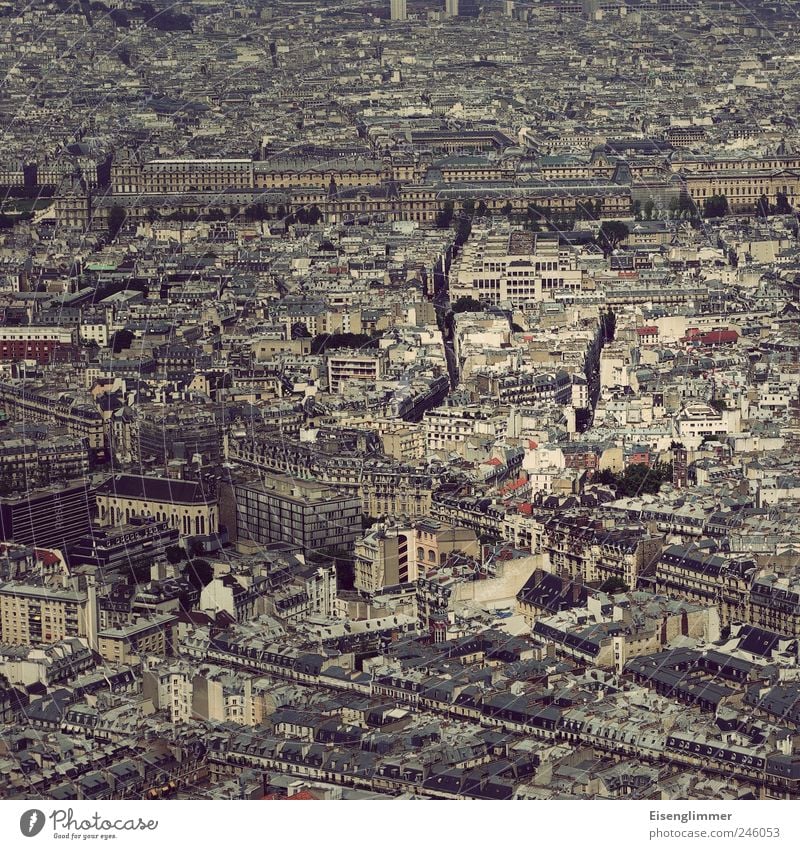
(420, 187)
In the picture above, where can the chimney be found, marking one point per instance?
(577, 588)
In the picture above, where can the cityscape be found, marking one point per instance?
(399, 399)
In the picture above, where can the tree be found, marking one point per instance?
(762, 206)
(256, 212)
(467, 304)
(716, 206)
(463, 230)
(120, 19)
(121, 340)
(637, 479)
(300, 331)
(314, 215)
(606, 477)
(444, 218)
(609, 320)
(782, 205)
(469, 207)
(199, 572)
(614, 585)
(611, 234)
(116, 218)
(507, 209)
(641, 479)
(535, 212)
(196, 548)
(166, 21)
(481, 210)
(174, 554)
(648, 209)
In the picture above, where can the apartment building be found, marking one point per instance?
(43, 344)
(525, 387)
(484, 516)
(384, 557)
(81, 418)
(170, 688)
(398, 10)
(32, 614)
(177, 433)
(774, 603)
(402, 441)
(25, 462)
(583, 548)
(700, 572)
(685, 136)
(129, 643)
(387, 556)
(240, 596)
(219, 695)
(306, 590)
(345, 364)
(448, 428)
(610, 634)
(48, 664)
(434, 541)
(385, 487)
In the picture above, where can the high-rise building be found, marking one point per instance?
(280, 508)
(53, 517)
(398, 10)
